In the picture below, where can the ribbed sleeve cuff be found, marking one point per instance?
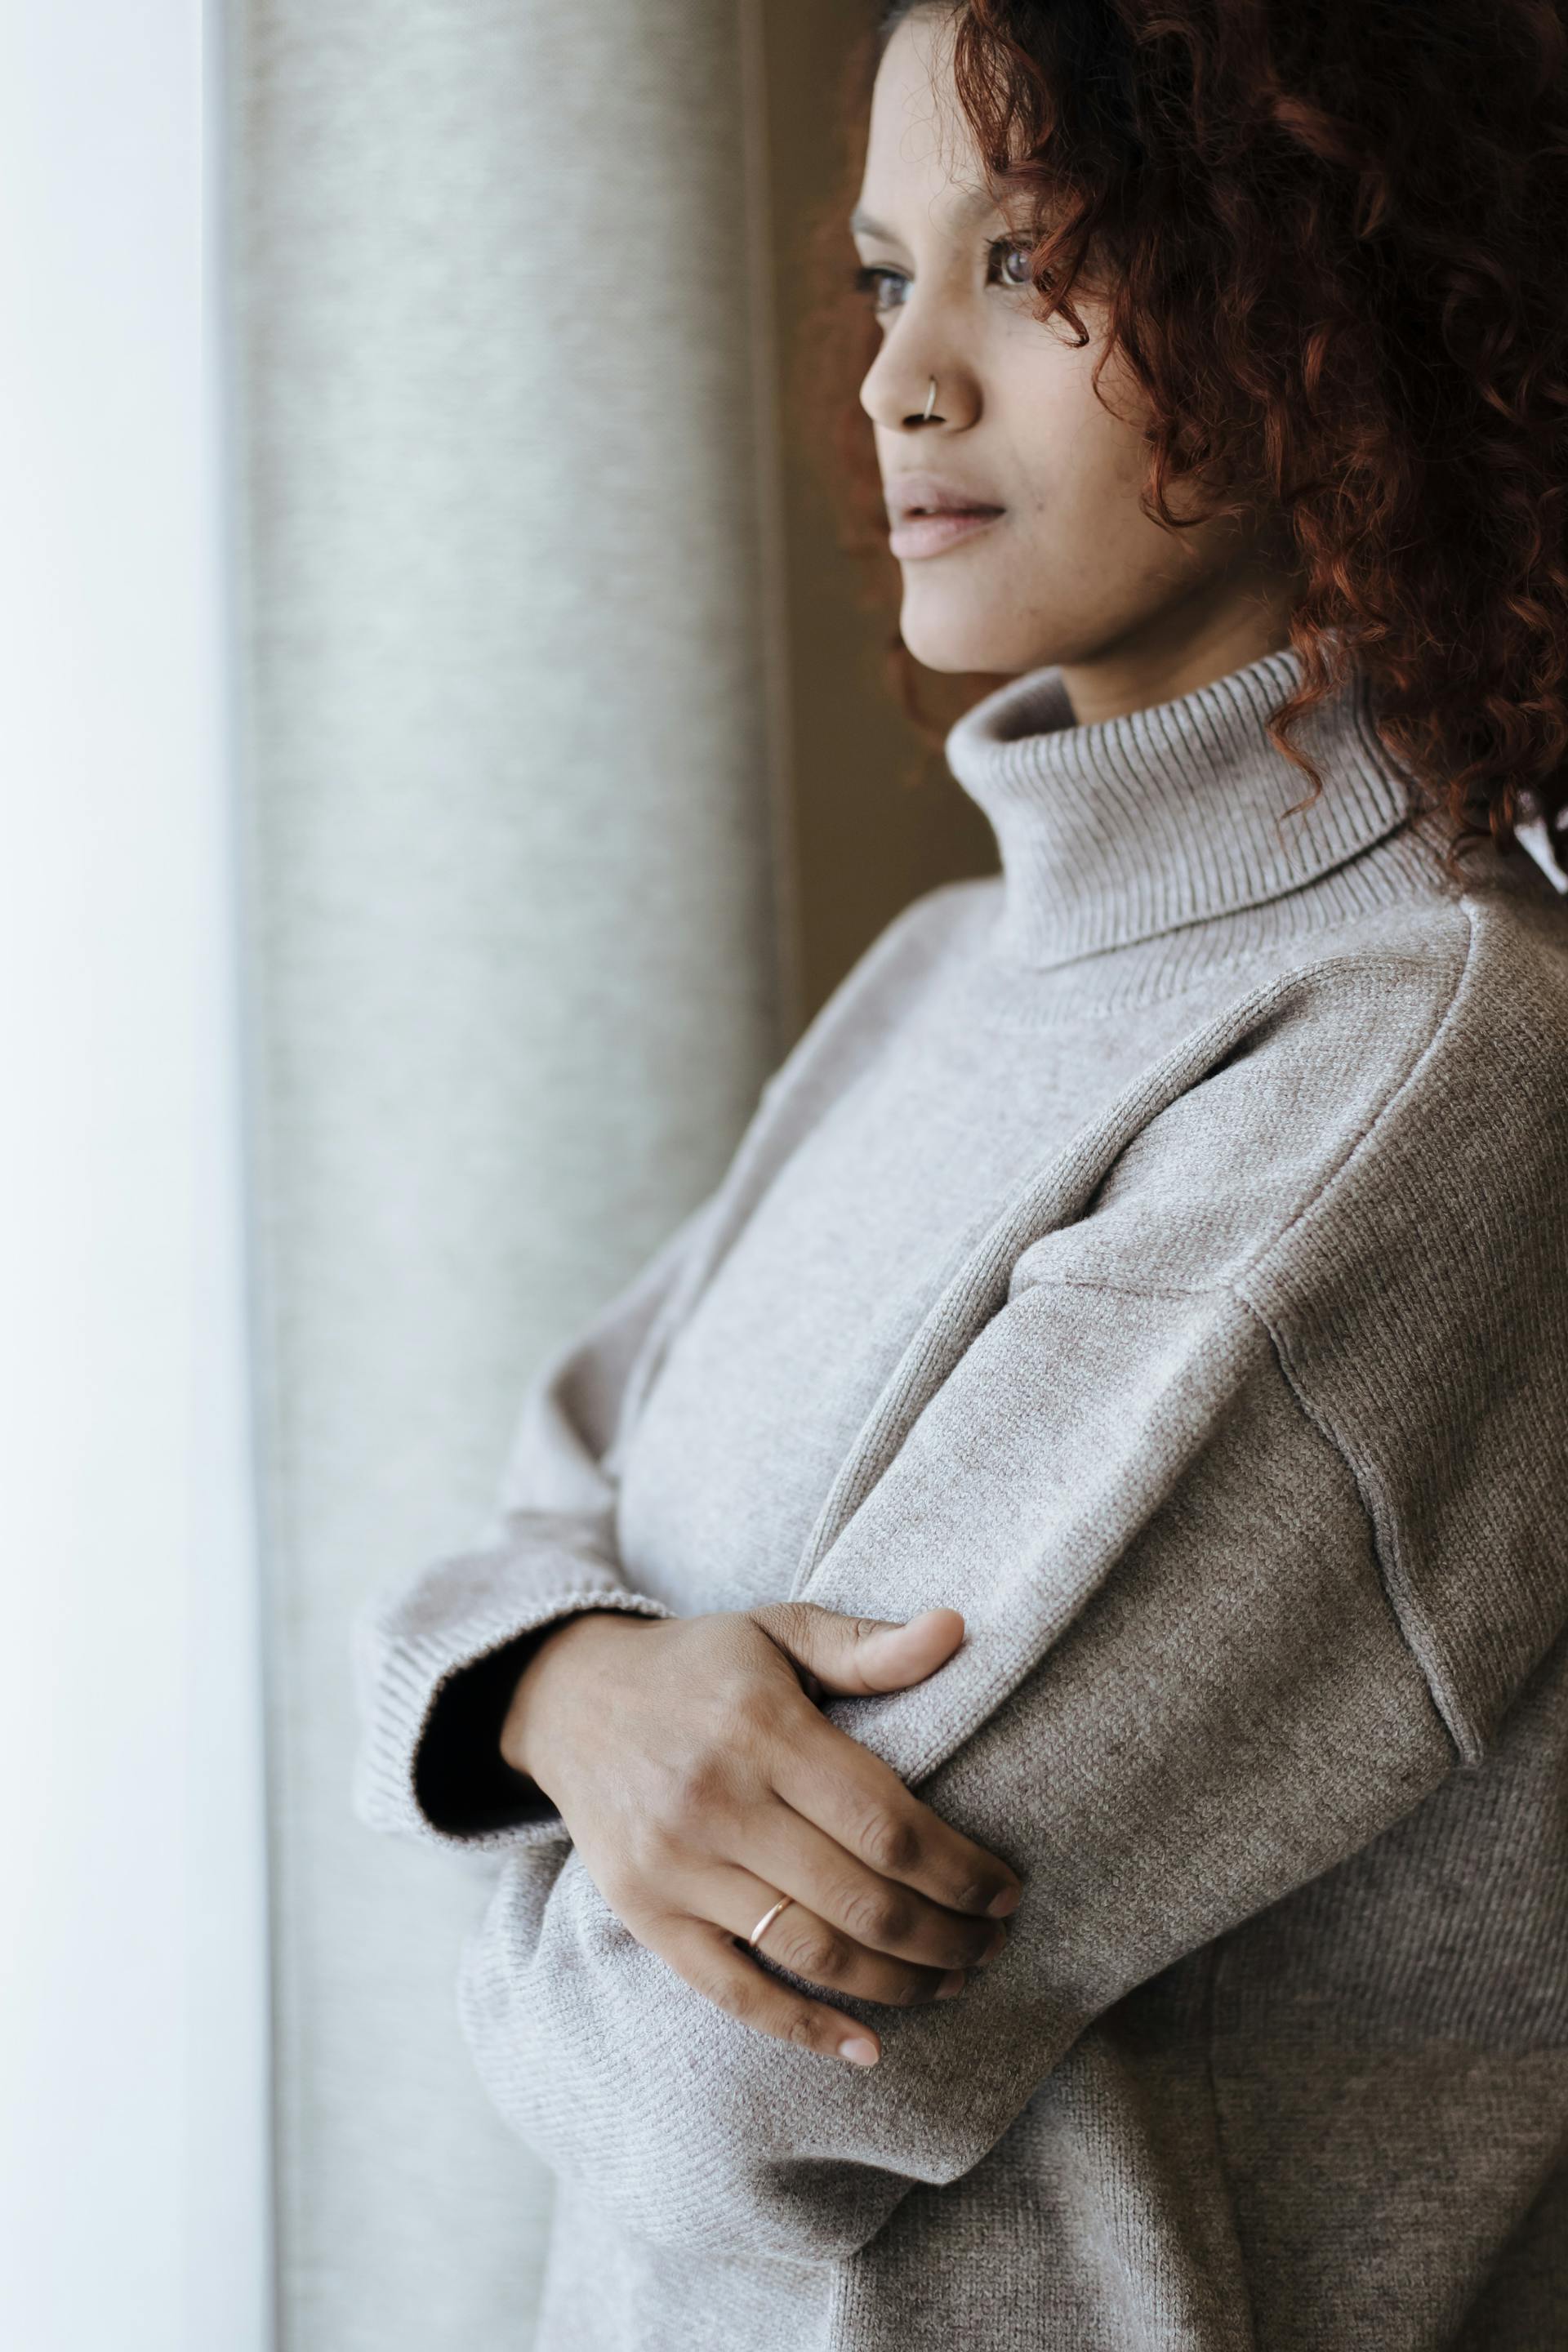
(405, 1649)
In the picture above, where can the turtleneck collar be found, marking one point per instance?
(1120, 832)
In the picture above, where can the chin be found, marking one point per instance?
(963, 637)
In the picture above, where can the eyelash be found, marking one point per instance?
(871, 275)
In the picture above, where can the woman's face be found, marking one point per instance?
(1060, 564)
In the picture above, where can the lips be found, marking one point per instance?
(929, 513)
(914, 495)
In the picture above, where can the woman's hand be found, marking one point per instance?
(700, 1784)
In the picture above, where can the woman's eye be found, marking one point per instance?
(1008, 259)
(1013, 261)
(873, 278)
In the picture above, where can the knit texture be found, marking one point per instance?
(1158, 1252)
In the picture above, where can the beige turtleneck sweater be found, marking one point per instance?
(1158, 1252)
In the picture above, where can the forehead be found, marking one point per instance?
(922, 167)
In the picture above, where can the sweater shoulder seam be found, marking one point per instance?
(1383, 1530)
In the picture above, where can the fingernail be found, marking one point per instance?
(952, 1982)
(998, 1943)
(859, 2050)
(1000, 1905)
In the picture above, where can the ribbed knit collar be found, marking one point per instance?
(1171, 816)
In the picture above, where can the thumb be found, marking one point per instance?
(856, 1656)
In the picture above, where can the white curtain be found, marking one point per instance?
(512, 882)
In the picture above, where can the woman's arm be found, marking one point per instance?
(1183, 1693)
(701, 1785)
(442, 1663)
(435, 1660)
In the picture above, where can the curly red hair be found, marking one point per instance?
(1332, 239)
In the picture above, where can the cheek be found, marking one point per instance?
(1086, 463)
(1078, 561)
(1084, 545)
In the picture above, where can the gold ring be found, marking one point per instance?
(766, 1921)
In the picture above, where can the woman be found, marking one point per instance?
(1018, 1683)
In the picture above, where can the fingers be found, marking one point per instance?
(863, 1911)
(863, 1806)
(856, 1656)
(815, 1947)
(714, 1965)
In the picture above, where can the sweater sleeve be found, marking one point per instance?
(435, 1658)
(1185, 1689)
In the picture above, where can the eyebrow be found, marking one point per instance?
(971, 205)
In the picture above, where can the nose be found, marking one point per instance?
(901, 393)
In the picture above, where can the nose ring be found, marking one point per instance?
(930, 402)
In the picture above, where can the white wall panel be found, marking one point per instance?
(133, 2165)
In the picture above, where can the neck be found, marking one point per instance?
(1218, 627)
